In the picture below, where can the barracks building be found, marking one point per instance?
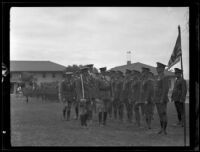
(42, 71)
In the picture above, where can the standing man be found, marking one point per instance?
(136, 93)
(148, 97)
(93, 91)
(83, 86)
(161, 96)
(179, 95)
(121, 102)
(126, 93)
(67, 93)
(104, 92)
(116, 87)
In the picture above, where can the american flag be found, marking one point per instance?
(176, 54)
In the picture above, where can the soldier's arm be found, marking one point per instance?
(184, 91)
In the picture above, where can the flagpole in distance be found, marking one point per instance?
(179, 31)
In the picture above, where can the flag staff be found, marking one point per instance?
(179, 30)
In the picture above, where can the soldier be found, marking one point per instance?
(120, 96)
(83, 85)
(178, 96)
(104, 93)
(148, 97)
(136, 89)
(161, 96)
(108, 76)
(112, 81)
(93, 91)
(77, 101)
(67, 94)
(126, 92)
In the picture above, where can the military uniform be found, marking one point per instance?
(161, 96)
(67, 94)
(148, 97)
(126, 93)
(138, 94)
(121, 97)
(178, 96)
(104, 87)
(84, 83)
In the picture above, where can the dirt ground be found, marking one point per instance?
(39, 123)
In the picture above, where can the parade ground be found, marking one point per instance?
(39, 123)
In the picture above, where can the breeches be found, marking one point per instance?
(162, 111)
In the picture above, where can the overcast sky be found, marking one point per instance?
(98, 35)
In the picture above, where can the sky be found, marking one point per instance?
(99, 35)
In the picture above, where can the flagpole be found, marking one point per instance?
(179, 30)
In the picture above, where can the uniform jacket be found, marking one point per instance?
(118, 89)
(161, 88)
(126, 89)
(87, 84)
(104, 87)
(180, 90)
(148, 90)
(94, 88)
(135, 89)
(67, 90)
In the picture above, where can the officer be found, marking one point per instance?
(120, 96)
(109, 78)
(93, 91)
(104, 92)
(112, 81)
(126, 92)
(116, 87)
(136, 95)
(161, 96)
(148, 87)
(83, 85)
(67, 94)
(76, 79)
(179, 95)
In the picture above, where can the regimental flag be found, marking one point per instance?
(176, 54)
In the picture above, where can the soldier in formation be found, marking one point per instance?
(126, 94)
(67, 93)
(104, 87)
(161, 96)
(83, 85)
(134, 92)
(179, 95)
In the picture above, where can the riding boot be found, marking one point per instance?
(68, 115)
(161, 124)
(164, 128)
(104, 118)
(100, 117)
(64, 112)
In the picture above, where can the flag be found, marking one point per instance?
(176, 54)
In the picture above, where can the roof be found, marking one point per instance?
(138, 66)
(35, 66)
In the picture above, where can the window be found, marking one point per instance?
(43, 75)
(53, 75)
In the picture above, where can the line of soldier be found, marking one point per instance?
(110, 92)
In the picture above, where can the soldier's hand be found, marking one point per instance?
(146, 102)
